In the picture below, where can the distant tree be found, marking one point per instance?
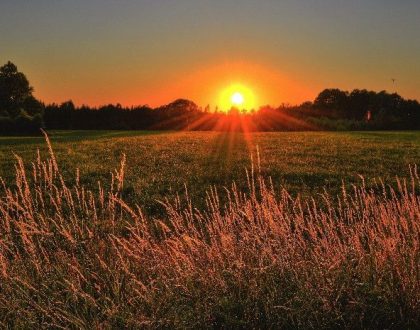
(14, 90)
(182, 105)
(67, 106)
(361, 103)
(19, 110)
(332, 99)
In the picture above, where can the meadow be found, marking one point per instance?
(210, 230)
(162, 165)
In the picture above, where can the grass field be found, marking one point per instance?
(75, 254)
(160, 165)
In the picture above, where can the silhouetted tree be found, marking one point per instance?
(19, 110)
(360, 103)
(332, 99)
(14, 89)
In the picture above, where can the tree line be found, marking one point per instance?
(333, 109)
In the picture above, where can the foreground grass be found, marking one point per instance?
(160, 164)
(70, 257)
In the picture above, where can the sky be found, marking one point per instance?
(154, 51)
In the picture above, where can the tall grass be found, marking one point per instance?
(76, 258)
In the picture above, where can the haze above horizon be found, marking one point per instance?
(152, 52)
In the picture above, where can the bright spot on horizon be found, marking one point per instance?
(237, 99)
(238, 96)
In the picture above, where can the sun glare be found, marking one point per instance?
(237, 99)
(237, 96)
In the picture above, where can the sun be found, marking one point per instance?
(237, 99)
(238, 96)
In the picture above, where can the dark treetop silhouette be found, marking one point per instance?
(19, 110)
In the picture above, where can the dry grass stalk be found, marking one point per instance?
(70, 257)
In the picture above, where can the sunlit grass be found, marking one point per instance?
(161, 163)
(75, 257)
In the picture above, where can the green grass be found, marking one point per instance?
(161, 164)
(72, 257)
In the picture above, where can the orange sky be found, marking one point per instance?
(152, 52)
(201, 85)
(205, 86)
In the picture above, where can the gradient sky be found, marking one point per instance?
(154, 51)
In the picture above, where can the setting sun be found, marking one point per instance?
(238, 96)
(237, 99)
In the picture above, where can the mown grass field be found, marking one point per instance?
(161, 164)
(75, 254)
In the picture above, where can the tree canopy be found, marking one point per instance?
(19, 109)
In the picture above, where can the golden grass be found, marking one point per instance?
(71, 257)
